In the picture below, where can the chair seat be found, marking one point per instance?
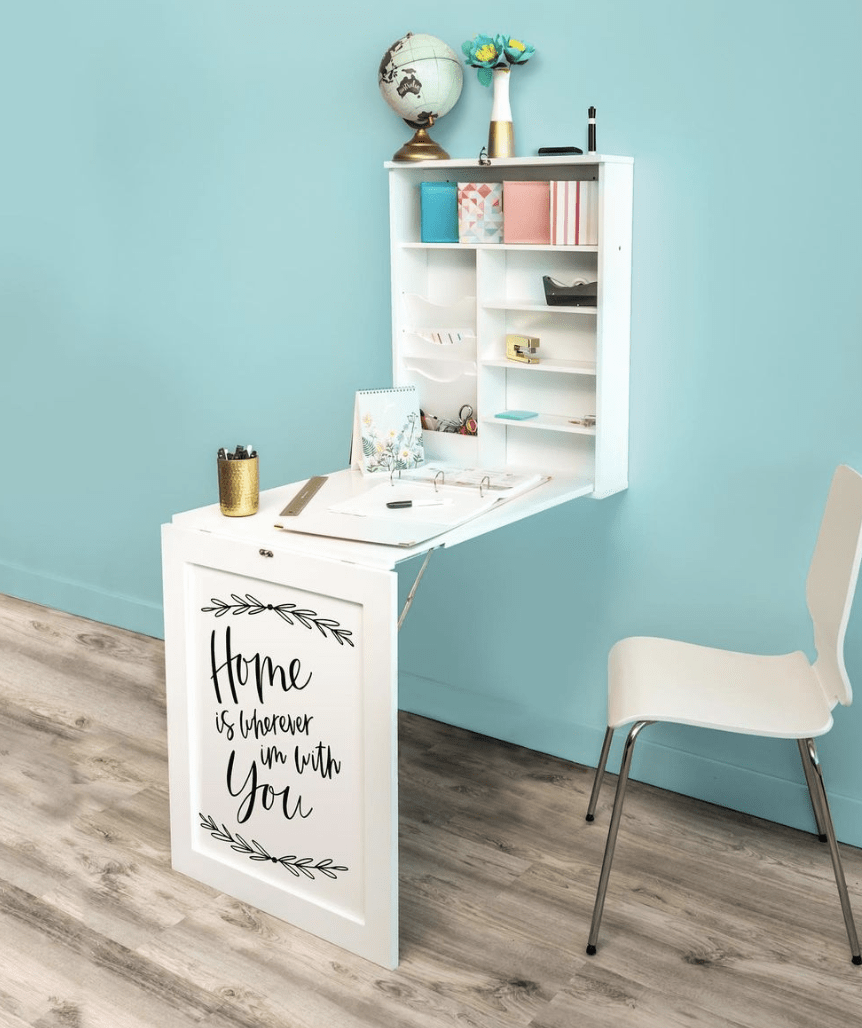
(652, 679)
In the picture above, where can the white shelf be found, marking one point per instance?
(548, 422)
(534, 247)
(538, 308)
(498, 164)
(545, 365)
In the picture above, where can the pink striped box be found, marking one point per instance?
(574, 213)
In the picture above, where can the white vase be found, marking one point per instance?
(501, 134)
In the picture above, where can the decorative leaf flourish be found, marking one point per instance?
(288, 612)
(255, 851)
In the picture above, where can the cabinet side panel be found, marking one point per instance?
(613, 328)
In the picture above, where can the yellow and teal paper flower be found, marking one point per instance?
(484, 53)
(517, 52)
(489, 52)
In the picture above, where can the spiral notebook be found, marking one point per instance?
(387, 432)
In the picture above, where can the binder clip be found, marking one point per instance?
(522, 349)
(469, 425)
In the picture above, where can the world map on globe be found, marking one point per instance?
(420, 77)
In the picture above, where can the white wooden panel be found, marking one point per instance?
(558, 451)
(613, 328)
(281, 676)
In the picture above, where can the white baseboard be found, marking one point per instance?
(83, 600)
(729, 785)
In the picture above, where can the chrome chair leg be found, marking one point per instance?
(809, 759)
(813, 791)
(600, 774)
(622, 781)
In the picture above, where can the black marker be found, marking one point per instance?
(399, 504)
(591, 130)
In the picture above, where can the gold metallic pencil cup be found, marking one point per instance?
(238, 487)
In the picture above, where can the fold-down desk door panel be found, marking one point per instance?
(282, 706)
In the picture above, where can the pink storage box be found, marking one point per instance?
(527, 212)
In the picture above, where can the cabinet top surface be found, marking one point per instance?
(565, 160)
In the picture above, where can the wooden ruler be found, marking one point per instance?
(298, 504)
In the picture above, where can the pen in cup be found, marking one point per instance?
(238, 481)
(240, 453)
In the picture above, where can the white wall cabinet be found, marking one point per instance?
(453, 304)
(280, 646)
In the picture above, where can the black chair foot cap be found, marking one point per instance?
(823, 838)
(856, 960)
(591, 951)
(589, 817)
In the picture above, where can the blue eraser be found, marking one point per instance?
(517, 415)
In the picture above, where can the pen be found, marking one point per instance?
(240, 453)
(399, 504)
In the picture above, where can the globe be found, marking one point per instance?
(420, 77)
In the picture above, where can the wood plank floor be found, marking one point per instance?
(713, 918)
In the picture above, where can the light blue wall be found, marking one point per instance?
(184, 188)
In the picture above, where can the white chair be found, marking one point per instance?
(786, 697)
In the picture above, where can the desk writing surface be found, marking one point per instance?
(341, 486)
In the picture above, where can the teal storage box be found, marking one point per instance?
(439, 212)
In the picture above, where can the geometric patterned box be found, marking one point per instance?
(480, 212)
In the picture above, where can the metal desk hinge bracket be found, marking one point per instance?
(410, 596)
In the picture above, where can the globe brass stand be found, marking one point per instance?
(421, 147)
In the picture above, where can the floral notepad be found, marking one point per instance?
(387, 433)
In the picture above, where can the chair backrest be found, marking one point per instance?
(832, 580)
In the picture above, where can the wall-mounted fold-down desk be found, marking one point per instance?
(282, 669)
(281, 644)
